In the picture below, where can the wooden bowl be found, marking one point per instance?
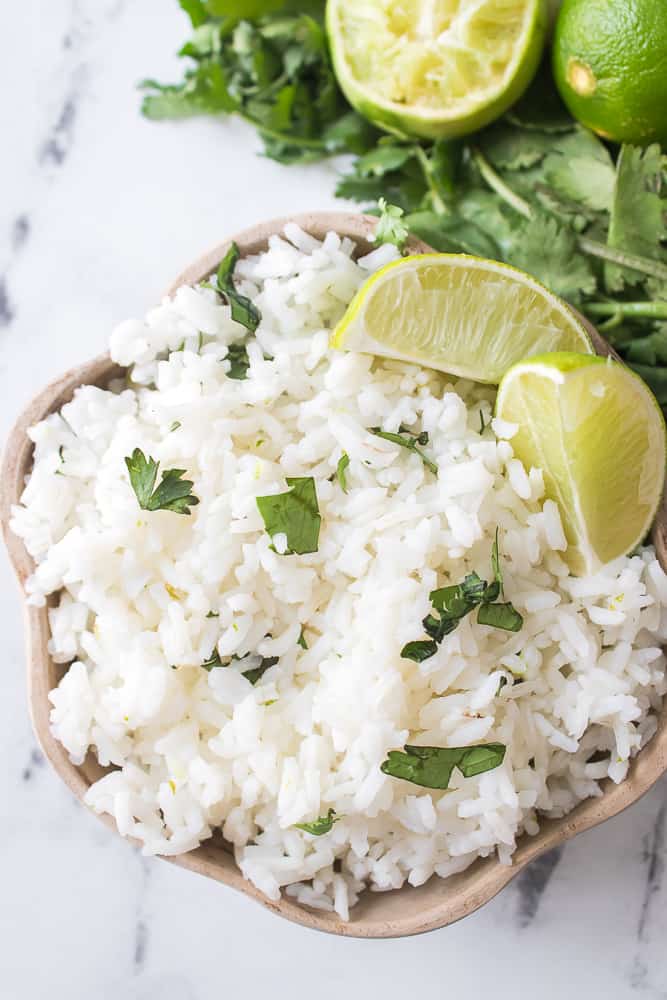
(378, 914)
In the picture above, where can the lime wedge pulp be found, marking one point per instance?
(458, 314)
(598, 434)
(435, 68)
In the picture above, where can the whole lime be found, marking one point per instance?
(610, 65)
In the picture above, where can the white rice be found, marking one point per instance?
(192, 750)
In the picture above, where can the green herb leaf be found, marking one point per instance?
(341, 471)
(294, 513)
(174, 426)
(195, 10)
(173, 492)
(580, 169)
(321, 825)
(431, 767)
(252, 675)
(256, 673)
(549, 251)
(391, 228)
(213, 661)
(451, 234)
(204, 91)
(419, 650)
(495, 562)
(386, 157)
(410, 443)
(503, 616)
(511, 148)
(456, 601)
(301, 641)
(637, 223)
(244, 311)
(239, 363)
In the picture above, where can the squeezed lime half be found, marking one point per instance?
(435, 68)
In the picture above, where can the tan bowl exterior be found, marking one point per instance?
(377, 915)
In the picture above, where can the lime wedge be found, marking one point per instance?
(470, 317)
(598, 434)
(435, 68)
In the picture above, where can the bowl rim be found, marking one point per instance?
(398, 912)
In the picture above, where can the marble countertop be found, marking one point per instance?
(99, 209)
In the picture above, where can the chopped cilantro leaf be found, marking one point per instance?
(294, 513)
(341, 471)
(431, 767)
(244, 311)
(172, 493)
(321, 825)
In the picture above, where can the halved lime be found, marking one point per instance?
(598, 434)
(435, 68)
(459, 314)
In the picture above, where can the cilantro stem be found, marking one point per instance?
(654, 310)
(410, 443)
(497, 184)
(427, 170)
(292, 140)
(630, 260)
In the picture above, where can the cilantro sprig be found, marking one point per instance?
(451, 604)
(266, 61)
(410, 443)
(173, 493)
(391, 227)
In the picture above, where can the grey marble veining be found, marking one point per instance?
(99, 209)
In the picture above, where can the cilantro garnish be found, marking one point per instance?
(253, 675)
(237, 355)
(268, 62)
(173, 492)
(295, 514)
(451, 604)
(321, 825)
(244, 311)
(431, 767)
(391, 228)
(410, 443)
(341, 471)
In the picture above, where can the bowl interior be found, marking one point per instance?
(388, 914)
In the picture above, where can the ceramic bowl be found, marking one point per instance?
(378, 914)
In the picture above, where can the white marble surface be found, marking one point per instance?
(99, 209)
